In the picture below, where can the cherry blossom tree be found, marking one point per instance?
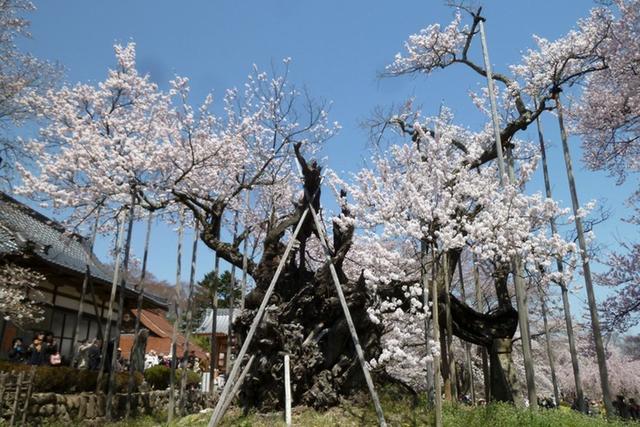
(101, 144)
(124, 140)
(607, 113)
(525, 95)
(607, 117)
(432, 190)
(19, 294)
(623, 378)
(20, 75)
(621, 311)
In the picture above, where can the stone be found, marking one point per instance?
(91, 410)
(47, 410)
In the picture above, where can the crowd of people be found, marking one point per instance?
(192, 362)
(625, 409)
(43, 350)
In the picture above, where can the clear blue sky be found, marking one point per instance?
(338, 48)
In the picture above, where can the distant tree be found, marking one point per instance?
(203, 298)
(631, 346)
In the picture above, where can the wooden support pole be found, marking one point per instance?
(467, 345)
(237, 384)
(552, 364)
(436, 338)
(83, 292)
(98, 312)
(189, 319)
(112, 298)
(287, 392)
(116, 336)
(430, 392)
(523, 310)
(229, 354)
(245, 253)
(560, 267)
(136, 329)
(214, 324)
(451, 380)
(586, 267)
(483, 349)
(232, 302)
(218, 412)
(347, 315)
(176, 324)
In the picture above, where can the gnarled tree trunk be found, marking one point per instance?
(304, 318)
(494, 331)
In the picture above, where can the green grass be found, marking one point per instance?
(399, 411)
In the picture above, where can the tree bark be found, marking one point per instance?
(306, 321)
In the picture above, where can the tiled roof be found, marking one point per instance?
(159, 326)
(156, 323)
(222, 321)
(159, 345)
(22, 228)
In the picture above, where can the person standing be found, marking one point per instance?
(94, 354)
(35, 351)
(82, 356)
(50, 349)
(18, 353)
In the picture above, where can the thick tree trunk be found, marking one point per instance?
(493, 331)
(304, 319)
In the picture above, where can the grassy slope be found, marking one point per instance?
(399, 411)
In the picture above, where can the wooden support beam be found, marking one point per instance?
(218, 412)
(287, 392)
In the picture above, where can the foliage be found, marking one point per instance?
(65, 380)
(18, 287)
(203, 297)
(159, 377)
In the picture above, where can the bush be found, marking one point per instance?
(66, 380)
(193, 378)
(158, 377)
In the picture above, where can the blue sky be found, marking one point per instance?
(337, 48)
